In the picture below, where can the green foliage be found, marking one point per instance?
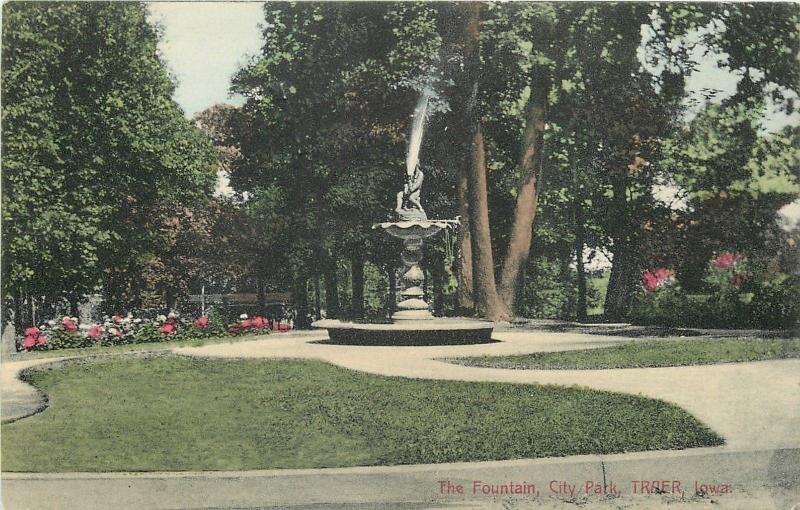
(549, 291)
(91, 138)
(763, 301)
(673, 307)
(60, 338)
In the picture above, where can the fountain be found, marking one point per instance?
(412, 323)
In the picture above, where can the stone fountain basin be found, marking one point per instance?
(415, 229)
(437, 331)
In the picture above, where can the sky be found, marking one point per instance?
(204, 43)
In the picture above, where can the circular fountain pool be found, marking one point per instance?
(436, 331)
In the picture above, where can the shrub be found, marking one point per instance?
(738, 297)
(117, 330)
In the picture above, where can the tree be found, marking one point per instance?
(329, 123)
(91, 137)
(736, 178)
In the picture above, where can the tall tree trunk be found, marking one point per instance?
(466, 16)
(73, 304)
(530, 167)
(621, 284)
(301, 303)
(317, 298)
(580, 240)
(464, 302)
(357, 266)
(624, 265)
(331, 290)
(451, 25)
(487, 301)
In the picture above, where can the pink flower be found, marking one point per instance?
(117, 318)
(117, 332)
(68, 324)
(41, 339)
(649, 281)
(246, 323)
(662, 273)
(201, 322)
(738, 279)
(28, 342)
(726, 259)
(655, 278)
(258, 322)
(94, 332)
(167, 328)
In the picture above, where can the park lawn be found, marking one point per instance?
(167, 412)
(648, 353)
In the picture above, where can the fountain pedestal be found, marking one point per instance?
(413, 323)
(413, 305)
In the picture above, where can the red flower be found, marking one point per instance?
(725, 259)
(738, 279)
(246, 323)
(201, 322)
(33, 336)
(258, 322)
(167, 328)
(649, 281)
(94, 332)
(662, 273)
(68, 324)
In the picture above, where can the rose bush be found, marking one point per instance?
(738, 296)
(118, 329)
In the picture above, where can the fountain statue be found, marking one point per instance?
(413, 323)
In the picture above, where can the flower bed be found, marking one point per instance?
(736, 295)
(68, 333)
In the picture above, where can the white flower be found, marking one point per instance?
(130, 315)
(125, 320)
(172, 315)
(43, 326)
(161, 318)
(75, 320)
(84, 327)
(66, 318)
(243, 316)
(51, 322)
(137, 321)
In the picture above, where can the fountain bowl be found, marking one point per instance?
(438, 331)
(415, 229)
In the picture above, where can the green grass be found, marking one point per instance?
(600, 284)
(181, 413)
(649, 353)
